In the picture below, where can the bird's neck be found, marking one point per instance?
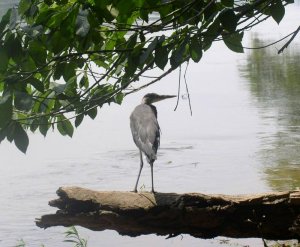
(146, 102)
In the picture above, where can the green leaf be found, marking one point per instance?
(119, 98)
(234, 42)
(84, 82)
(13, 48)
(161, 56)
(92, 113)
(195, 49)
(48, 2)
(5, 110)
(102, 4)
(59, 71)
(56, 19)
(78, 119)
(148, 51)
(61, 2)
(58, 42)
(64, 126)
(126, 10)
(277, 11)
(37, 84)
(177, 55)
(44, 126)
(144, 14)
(2, 134)
(13, 19)
(44, 16)
(71, 87)
(68, 26)
(210, 12)
(23, 101)
(3, 59)
(227, 3)
(119, 68)
(20, 138)
(164, 12)
(61, 128)
(131, 41)
(27, 63)
(212, 32)
(69, 71)
(24, 5)
(37, 52)
(34, 125)
(5, 20)
(228, 20)
(10, 131)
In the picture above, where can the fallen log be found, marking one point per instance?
(274, 216)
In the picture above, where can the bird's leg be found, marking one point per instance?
(151, 165)
(141, 167)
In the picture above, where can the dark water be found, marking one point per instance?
(243, 137)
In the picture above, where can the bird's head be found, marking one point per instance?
(153, 97)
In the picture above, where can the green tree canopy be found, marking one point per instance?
(63, 59)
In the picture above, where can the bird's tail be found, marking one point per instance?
(151, 158)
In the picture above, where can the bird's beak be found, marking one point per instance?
(162, 97)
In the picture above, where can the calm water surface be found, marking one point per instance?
(243, 137)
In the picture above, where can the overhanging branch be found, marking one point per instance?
(289, 41)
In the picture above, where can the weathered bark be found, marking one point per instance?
(271, 216)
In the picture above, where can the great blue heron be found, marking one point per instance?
(145, 130)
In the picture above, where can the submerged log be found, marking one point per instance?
(273, 216)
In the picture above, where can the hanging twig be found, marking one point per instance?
(178, 92)
(291, 39)
(187, 89)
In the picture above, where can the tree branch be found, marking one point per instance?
(290, 40)
(273, 216)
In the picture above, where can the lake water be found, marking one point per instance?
(243, 137)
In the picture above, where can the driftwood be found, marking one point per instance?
(270, 216)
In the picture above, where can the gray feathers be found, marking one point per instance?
(145, 130)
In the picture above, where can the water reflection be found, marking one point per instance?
(274, 81)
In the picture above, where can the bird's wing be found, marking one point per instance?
(145, 130)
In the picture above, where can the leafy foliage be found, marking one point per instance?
(63, 59)
(72, 236)
(21, 243)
